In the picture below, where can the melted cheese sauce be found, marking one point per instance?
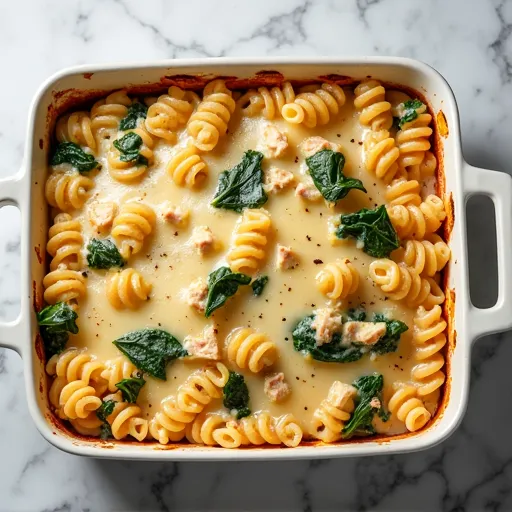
(170, 263)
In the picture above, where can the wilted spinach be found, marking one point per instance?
(222, 284)
(103, 254)
(55, 324)
(73, 154)
(236, 395)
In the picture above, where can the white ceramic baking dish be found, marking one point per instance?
(466, 322)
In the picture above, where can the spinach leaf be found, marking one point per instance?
(130, 388)
(373, 228)
(369, 403)
(334, 352)
(150, 350)
(103, 254)
(136, 111)
(222, 284)
(71, 153)
(128, 146)
(242, 186)
(258, 285)
(236, 395)
(55, 324)
(409, 111)
(388, 342)
(326, 169)
(105, 410)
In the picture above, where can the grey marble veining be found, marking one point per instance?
(470, 43)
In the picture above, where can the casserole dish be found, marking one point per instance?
(459, 181)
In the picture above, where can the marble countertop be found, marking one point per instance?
(470, 43)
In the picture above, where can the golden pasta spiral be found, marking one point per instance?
(261, 428)
(403, 192)
(65, 243)
(375, 110)
(210, 121)
(267, 101)
(134, 222)
(76, 127)
(408, 408)
(127, 172)
(108, 112)
(417, 221)
(117, 370)
(77, 399)
(429, 339)
(67, 191)
(88, 426)
(338, 280)
(248, 348)
(63, 285)
(169, 112)
(426, 169)
(126, 419)
(398, 281)
(413, 139)
(213, 430)
(381, 155)
(249, 240)
(187, 168)
(315, 105)
(169, 424)
(127, 289)
(426, 257)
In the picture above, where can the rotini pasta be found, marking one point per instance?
(408, 408)
(426, 169)
(251, 349)
(338, 280)
(126, 419)
(63, 285)
(108, 112)
(210, 121)
(268, 102)
(65, 243)
(77, 400)
(403, 192)
(429, 339)
(76, 127)
(169, 112)
(381, 155)
(116, 370)
(398, 281)
(417, 221)
(134, 222)
(88, 426)
(127, 289)
(375, 110)
(249, 240)
(315, 105)
(187, 168)
(67, 191)
(213, 430)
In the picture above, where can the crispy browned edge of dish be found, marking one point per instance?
(71, 98)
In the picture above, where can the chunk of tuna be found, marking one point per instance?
(195, 295)
(276, 388)
(286, 258)
(313, 145)
(307, 190)
(204, 346)
(274, 141)
(176, 215)
(203, 239)
(365, 333)
(340, 393)
(326, 323)
(277, 179)
(101, 215)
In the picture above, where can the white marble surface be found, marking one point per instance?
(469, 42)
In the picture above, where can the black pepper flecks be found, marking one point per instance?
(317, 261)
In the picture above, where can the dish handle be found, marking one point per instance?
(498, 187)
(11, 335)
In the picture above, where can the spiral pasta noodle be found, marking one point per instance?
(63, 285)
(375, 110)
(426, 257)
(210, 121)
(338, 280)
(108, 112)
(126, 419)
(65, 243)
(249, 240)
(417, 221)
(261, 428)
(88, 426)
(403, 192)
(77, 399)
(248, 348)
(76, 127)
(116, 370)
(169, 424)
(213, 430)
(187, 168)
(134, 222)
(426, 169)
(429, 339)
(127, 289)
(381, 155)
(127, 172)
(408, 408)
(315, 105)
(268, 102)
(398, 282)
(169, 112)
(67, 191)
